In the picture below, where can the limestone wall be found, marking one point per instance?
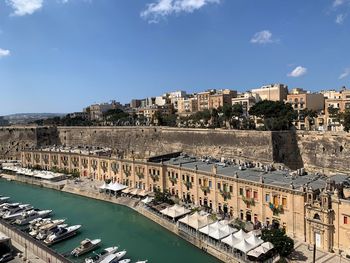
(324, 151)
(316, 151)
(16, 138)
(144, 142)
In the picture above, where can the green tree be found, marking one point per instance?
(283, 244)
(276, 114)
(346, 121)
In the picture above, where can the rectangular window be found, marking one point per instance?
(231, 189)
(183, 177)
(247, 193)
(284, 202)
(240, 191)
(209, 184)
(255, 195)
(275, 200)
(267, 198)
(219, 186)
(345, 220)
(200, 181)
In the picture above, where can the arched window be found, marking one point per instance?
(317, 217)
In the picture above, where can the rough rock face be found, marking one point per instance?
(316, 151)
(325, 152)
(15, 138)
(154, 141)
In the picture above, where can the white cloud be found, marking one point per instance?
(297, 72)
(337, 3)
(4, 52)
(263, 37)
(345, 74)
(340, 19)
(154, 12)
(24, 7)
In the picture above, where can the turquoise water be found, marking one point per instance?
(114, 224)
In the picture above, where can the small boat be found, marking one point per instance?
(99, 257)
(4, 199)
(43, 234)
(62, 234)
(85, 246)
(28, 216)
(142, 261)
(123, 261)
(114, 256)
(15, 213)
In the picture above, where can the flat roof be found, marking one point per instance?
(278, 178)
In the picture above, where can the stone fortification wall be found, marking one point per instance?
(15, 138)
(327, 152)
(144, 142)
(316, 151)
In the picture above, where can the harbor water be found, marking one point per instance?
(114, 224)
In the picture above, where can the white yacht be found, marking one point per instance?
(28, 216)
(142, 261)
(44, 224)
(7, 207)
(85, 246)
(114, 256)
(62, 234)
(123, 261)
(44, 233)
(4, 199)
(15, 213)
(99, 257)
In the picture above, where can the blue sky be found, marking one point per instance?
(61, 55)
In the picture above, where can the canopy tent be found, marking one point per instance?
(104, 186)
(196, 220)
(113, 186)
(260, 250)
(241, 235)
(218, 230)
(147, 200)
(126, 190)
(231, 240)
(117, 187)
(255, 241)
(143, 193)
(243, 246)
(254, 253)
(135, 191)
(267, 245)
(175, 211)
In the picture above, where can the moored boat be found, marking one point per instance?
(28, 216)
(85, 246)
(123, 261)
(142, 261)
(62, 234)
(14, 213)
(4, 199)
(114, 256)
(44, 233)
(99, 257)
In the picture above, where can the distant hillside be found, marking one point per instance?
(24, 118)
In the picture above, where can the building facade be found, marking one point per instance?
(311, 208)
(274, 92)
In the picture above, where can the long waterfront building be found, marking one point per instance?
(311, 207)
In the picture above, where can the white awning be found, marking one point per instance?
(243, 246)
(241, 235)
(231, 240)
(196, 220)
(175, 211)
(147, 200)
(255, 241)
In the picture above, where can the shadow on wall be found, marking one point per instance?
(286, 149)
